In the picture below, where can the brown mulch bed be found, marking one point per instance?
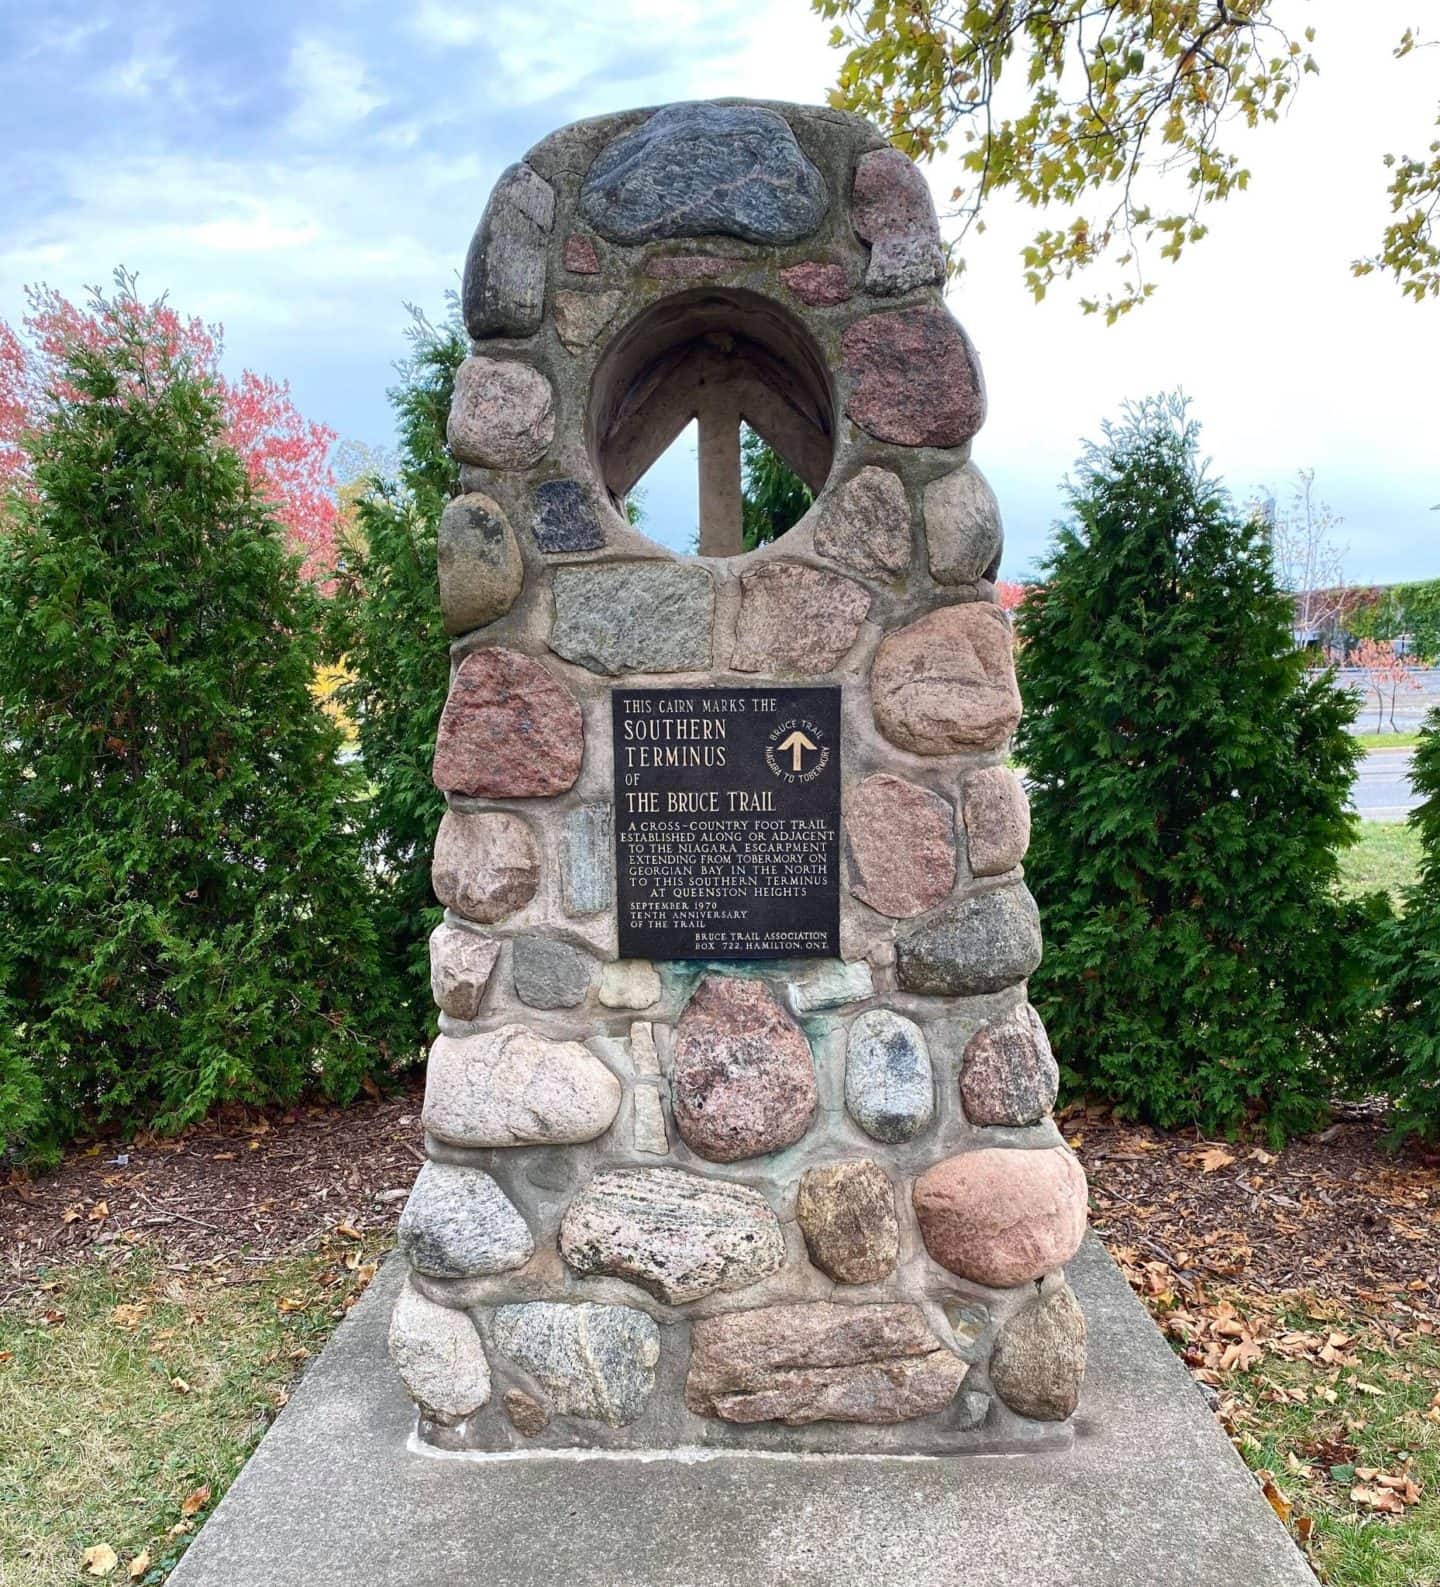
(1334, 1214)
(240, 1190)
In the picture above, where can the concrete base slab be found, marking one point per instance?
(1151, 1494)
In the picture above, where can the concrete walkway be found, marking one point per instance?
(1152, 1495)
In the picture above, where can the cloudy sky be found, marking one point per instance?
(300, 169)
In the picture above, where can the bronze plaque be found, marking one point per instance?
(727, 822)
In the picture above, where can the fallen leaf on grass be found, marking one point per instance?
(140, 1564)
(1304, 1526)
(180, 1385)
(195, 1501)
(1278, 1502)
(1213, 1157)
(99, 1560)
(128, 1316)
(349, 1231)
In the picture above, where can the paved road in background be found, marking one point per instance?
(1382, 790)
(1411, 705)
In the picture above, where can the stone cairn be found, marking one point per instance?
(805, 1204)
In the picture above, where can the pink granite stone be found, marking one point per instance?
(486, 866)
(1008, 1074)
(901, 846)
(946, 682)
(743, 1081)
(580, 256)
(816, 1361)
(891, 197)
(820, 285)
(502, 414)
(1002, 1216)
(997, 820)
(914, 378)
(796, 620)
(509, 730)
(893, 212)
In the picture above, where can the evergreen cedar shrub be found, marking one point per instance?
(1189, 786)
(388, 612)
(773, 497)
(186, 914)
(1407, 964)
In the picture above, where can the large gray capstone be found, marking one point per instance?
(550, 974)
(502, 291)
(1038, 1366)
(982, 944)
(458, 1223)
(596, 1362)
(675, 1234)
(702, 170)
(634, 617)
(439, 1357)
(515, 1087)
(889, 1082)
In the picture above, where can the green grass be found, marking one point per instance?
(1312, 1425)
(1388, 740)
(123, 1394)
(1387, 858)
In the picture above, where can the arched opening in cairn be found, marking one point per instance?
(719, 360)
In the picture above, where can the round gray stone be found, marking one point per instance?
(889, 1081)
(458, 1223)
(634, 617)
(596, 1362)
(481, 574)
(962, 526)
(1038, 1366)
(550, 974)
(982, 944)
(866, 524)
(439, 1357)
(699, 170)
(673, 1233)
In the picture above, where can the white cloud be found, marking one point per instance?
(332, 89)
(450, 26)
